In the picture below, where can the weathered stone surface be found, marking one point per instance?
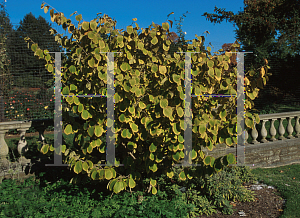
(266, 155)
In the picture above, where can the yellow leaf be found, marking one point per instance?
(154, 190)
(247, 82)
(262, 72)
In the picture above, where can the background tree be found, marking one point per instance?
(257, 28)
(259, 23)
(173, 37)
(29, 71)
(5, 75)
(5, 28)
(181, 41)
(106, 18)
(178, 39)
(226, 47)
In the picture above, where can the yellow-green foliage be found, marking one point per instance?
(149, 101)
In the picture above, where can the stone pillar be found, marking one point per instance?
(290, 129)
(273, 131)
(264, 132)
(281, 129)
(22, 146)
(3, 146)
(297, 128)
(254, 134)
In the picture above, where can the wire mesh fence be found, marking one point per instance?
(26, 87)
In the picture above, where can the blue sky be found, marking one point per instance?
(146, 12)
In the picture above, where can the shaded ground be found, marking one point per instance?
(267, 204)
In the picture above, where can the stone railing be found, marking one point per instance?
(268, 153)
(273, 117)
(274, 152)
(21, 127)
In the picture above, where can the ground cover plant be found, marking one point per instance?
(49, 194)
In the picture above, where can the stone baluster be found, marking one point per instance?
(22, 145)
(297, 128)
(290, 129)
(281, 130)
(41, 130)
(264, 132)
(273, 131)
(254, 134)
(245, 136)
(3, 146)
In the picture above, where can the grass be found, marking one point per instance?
(45, 198)
(287, 181)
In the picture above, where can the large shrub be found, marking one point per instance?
(149, 102)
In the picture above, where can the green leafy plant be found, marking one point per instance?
(150, 124)
(92, 199)
(224, 187)
(268, 109)
(213, 192)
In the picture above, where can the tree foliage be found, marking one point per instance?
(29, 70)
(5, 28)
(5, 75)
(270, 29)
(227, 47)
(181, 41)
(259, 23)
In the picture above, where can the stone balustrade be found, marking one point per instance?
(273, 117)
(21, 127)
(267, 153)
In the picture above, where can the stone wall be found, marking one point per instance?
(264, 155)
